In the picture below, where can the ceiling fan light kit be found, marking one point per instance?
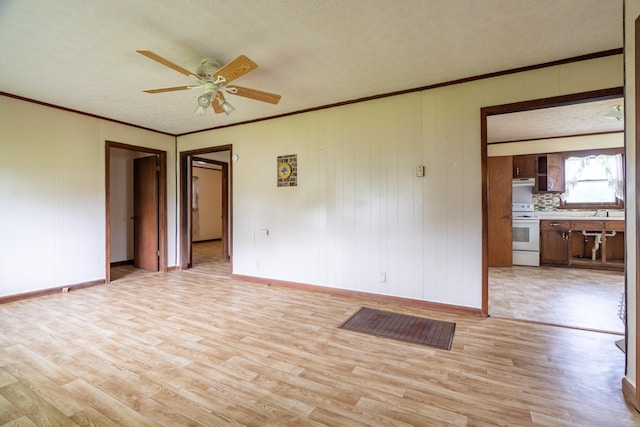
(227, 108)
(616, 113)
(214, 80)
(204, 101)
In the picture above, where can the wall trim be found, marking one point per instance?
(595, 55)
(635, 281)
(50, 291)
(628, 391)
(428, 305)
(577, 135)
(70, 110)
(119, 263)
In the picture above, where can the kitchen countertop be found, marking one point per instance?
(577, 216)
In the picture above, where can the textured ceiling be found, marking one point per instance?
(81, 54)
(568, 120)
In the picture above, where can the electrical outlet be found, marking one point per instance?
(383, 277)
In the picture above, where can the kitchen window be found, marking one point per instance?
(594, 181)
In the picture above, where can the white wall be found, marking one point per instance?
(52, 194)
(359, 210)
(121, 201)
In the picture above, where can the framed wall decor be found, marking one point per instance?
(287, 171)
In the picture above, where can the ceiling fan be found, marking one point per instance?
(215, 82)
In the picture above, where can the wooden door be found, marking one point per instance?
(145, 213)
(499, 196)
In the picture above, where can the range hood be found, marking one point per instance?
(524, 182)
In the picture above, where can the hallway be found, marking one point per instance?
(207, 259)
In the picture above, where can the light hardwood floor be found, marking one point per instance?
(194, 348)
(572, 297)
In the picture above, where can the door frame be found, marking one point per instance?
(162, 202)
(186, 158)
(535, 104)
(631, 391)
(225, 204)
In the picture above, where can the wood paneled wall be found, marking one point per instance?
(359, 218)
(52, 194)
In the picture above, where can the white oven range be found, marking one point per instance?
(526, 235)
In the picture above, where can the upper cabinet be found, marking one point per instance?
(550, 173)
(524, 166)
(547, 169)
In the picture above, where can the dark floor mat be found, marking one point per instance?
(420, 330)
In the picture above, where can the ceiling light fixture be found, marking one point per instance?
(204, 101)
(226, 107)
(211, 77)
(616, 113)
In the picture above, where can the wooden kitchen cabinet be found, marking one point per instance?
(550, 173)
(614, 245)
(601, 247)
(587, 243)
(587, 249)
(554, 242)
(524, 166)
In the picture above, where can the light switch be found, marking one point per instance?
(264, 232)
(420, 171)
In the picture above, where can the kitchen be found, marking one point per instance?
(554, 258)
(546, 232)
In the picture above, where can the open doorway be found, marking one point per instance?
(205, 210)
(136, 229)
(585, 298)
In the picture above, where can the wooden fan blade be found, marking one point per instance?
(165, 62)
(258, 95)
(167, 89)
(236, 68)
(216, 105)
